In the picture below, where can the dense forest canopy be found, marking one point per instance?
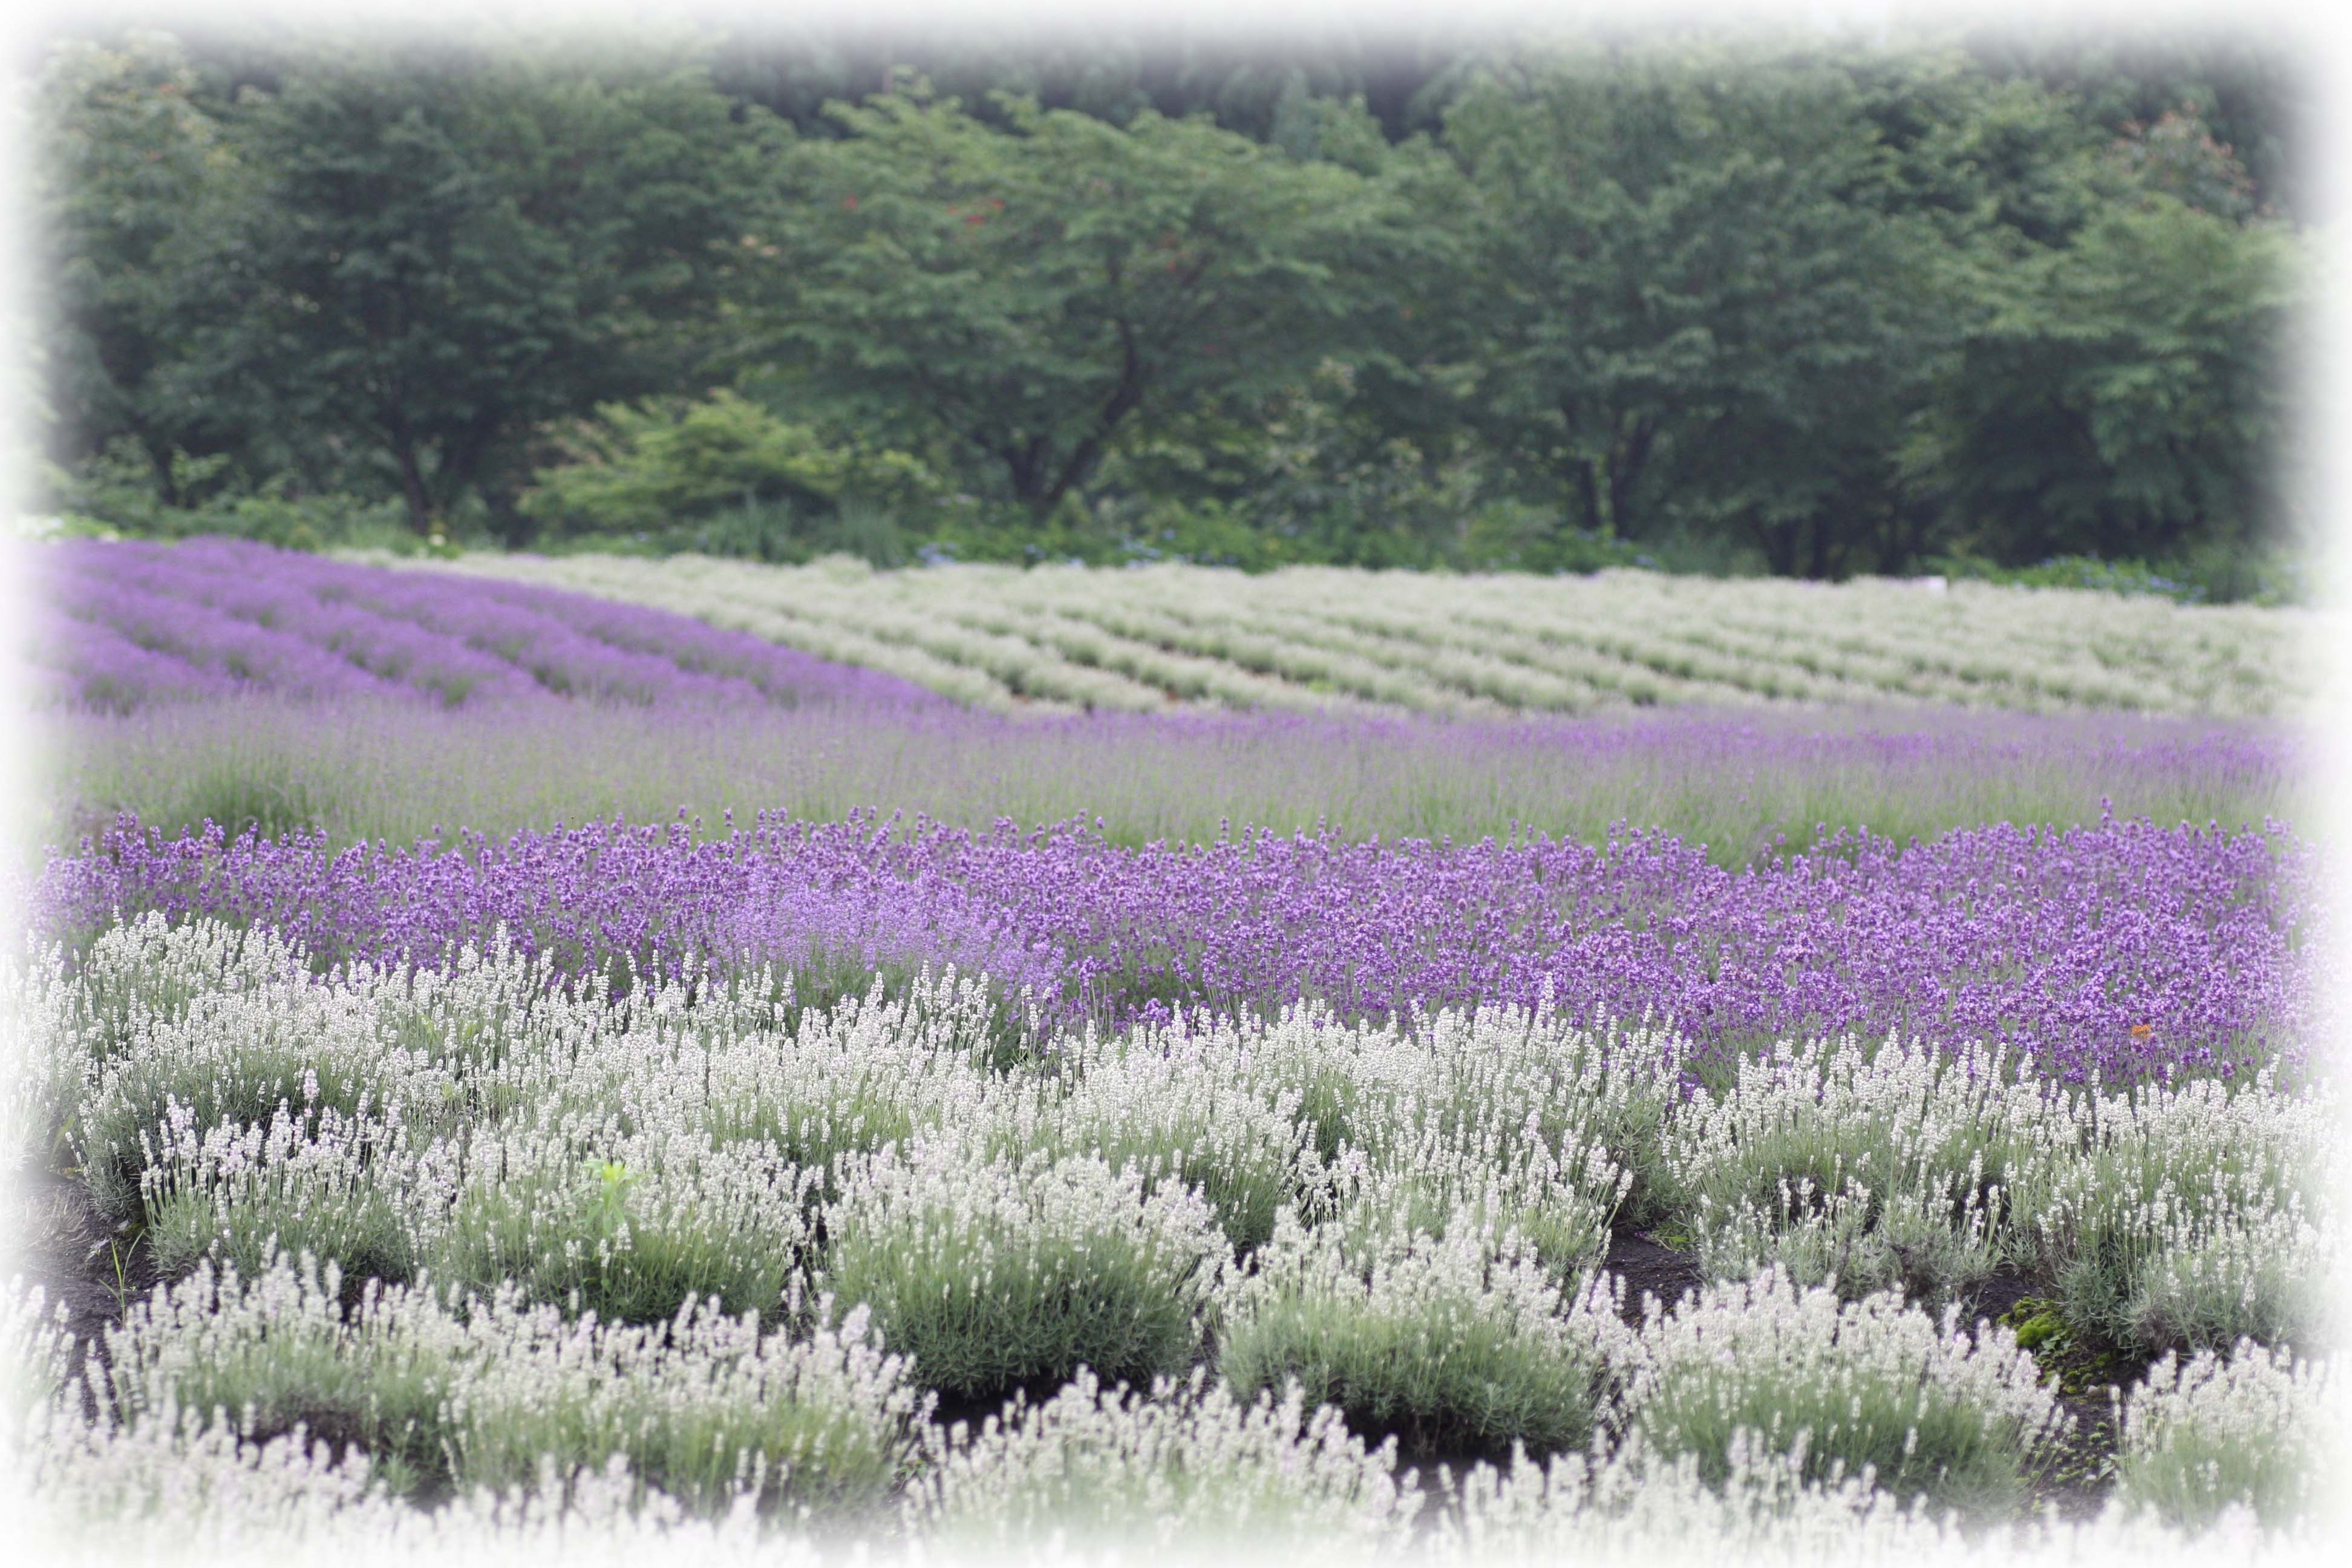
(1793, 304)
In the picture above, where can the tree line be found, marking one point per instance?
(1798, 305)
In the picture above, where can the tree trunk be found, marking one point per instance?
(1588, 494)
(1024, 465)
(1625, 468)
(167, 484)
(1584, 474)
(412, 483)
(1778, 541)
(1124, 400)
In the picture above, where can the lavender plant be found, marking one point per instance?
(992, 1273)
(235, 1195)
(177, 1480)
(2186, 1216)
(708, 1409)
(652, 1227)
(278, 1350)
(1183, 1466)
(1557, 1206)
(438, 1390)
(237, 1057)
(2249, 1429)
(1176, 1100)
(1852, 1168)
(1933, 1409)
(35, 1353)
(144, 973)
(2105, 953)
(1459, 1344)
(1636, 1504)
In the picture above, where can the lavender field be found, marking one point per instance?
(1333, 639)
(494, 1064)
(228, 683)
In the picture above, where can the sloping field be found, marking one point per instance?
(1322, 637)
(129, 625)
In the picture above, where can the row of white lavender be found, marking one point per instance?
(699, 1256)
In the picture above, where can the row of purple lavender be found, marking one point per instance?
(2113, 951)
(126, 625)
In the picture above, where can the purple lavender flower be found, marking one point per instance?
(212, 615)
(2113, 951)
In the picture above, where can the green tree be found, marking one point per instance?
(1368, 456)
(1020, 295)
(129, 173)
(2253, 95)
(439, 255)
(1263, 88)
(664, 462)
(2126, 396)
(1701, 311)
(1831, 309)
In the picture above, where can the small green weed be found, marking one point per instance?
(2077, 1361)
